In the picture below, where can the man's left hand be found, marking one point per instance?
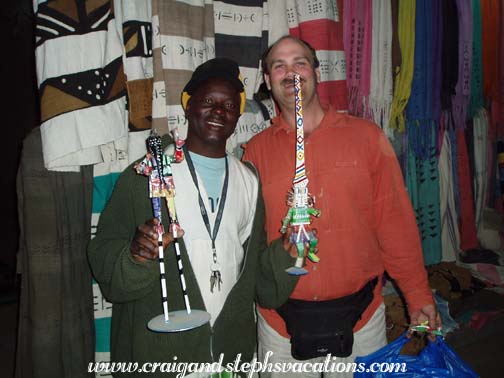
(427, 312)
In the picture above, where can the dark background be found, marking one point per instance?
(20, 114)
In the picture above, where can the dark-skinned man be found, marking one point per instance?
(124, 253)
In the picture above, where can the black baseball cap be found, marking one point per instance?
(218, 67)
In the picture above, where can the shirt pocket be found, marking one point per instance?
(344, 194)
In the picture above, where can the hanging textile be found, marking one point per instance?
(277, 21)
(357, 39)
(422, 180)
(133, 21)
(241, 34)
(449, 57)
(183, 39)
(476, 93)
(467, 224)
(380, 92)
(480, 133)
(55, 331)
(465, 45)
(422, 176)
(450, 237)
(320, 23)
(499, 104)
(403, 75)
(490, 45)
(419, 107)
(437, 59)
(81, 82)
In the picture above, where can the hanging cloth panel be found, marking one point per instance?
(476, 93)
(467, 223)
(357, 38)
(436, 13)
(55, 329)
(320, 23)
(404, 75)
(422, 180)
(241, 34)
(81, 82)
(133, 19)
(465, 46)
(490, 45)
(499, 105)
(449, 57)
(381, 86)
(183, 39)
(450, 237)
(480, 133)
(419, 107)
(422, 174)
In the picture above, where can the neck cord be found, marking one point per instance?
(215, 275)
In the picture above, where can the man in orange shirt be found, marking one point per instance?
(367, 224)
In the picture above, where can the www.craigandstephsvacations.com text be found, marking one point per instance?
(245, 369)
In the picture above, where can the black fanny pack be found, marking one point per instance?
(323, 327)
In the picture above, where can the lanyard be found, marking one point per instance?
(215, 275)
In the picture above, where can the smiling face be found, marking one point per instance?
(287, 57)
(212, 113)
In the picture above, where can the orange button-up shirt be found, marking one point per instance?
(367, 224)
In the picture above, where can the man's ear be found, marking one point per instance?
(317, 74)
(267, 81)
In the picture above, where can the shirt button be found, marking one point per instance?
(314, 267)
(315, 298)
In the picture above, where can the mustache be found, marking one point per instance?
(291, 81)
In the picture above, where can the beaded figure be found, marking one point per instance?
(157, 167)
(162, 186)
(299, 217)
(299, 200)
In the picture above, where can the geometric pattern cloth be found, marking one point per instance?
(81, 82)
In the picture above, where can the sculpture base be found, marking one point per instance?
(295, 271)
(178, 321)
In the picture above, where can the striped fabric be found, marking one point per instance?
(320, 23)
(241, 34)
(81, 82)
(133, 21)
(183, 39)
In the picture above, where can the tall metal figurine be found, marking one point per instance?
(157, 167)
(299, 200)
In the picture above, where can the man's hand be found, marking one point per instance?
(144, 245)
(430, 313)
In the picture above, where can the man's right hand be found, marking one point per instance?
(144, 245)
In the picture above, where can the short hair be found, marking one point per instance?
(313, 55)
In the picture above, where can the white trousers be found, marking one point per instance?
(367, 340)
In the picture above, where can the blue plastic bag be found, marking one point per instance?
(437, 359)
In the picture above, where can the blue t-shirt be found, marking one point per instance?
(211, 171)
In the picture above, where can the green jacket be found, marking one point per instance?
(134, 287)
